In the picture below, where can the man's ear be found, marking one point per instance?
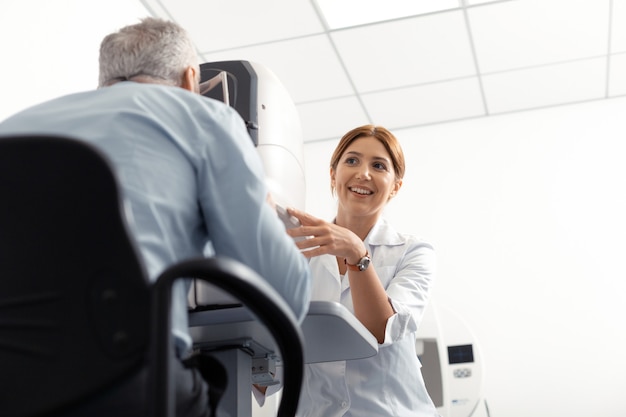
(190, 82)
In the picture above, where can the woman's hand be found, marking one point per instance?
(370, 301)
(323, 238)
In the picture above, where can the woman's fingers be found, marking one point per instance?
(322, 237)
(305, 218)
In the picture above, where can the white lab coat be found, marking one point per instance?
(390, 383)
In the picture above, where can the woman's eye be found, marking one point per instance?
(381, 166)
(351, 161)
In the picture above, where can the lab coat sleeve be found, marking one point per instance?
(409, 290)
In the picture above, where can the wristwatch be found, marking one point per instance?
(362, 265)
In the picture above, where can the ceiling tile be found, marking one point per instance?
(618, 28)
(308, 67)
(417, 70)
(431, 103)
(331, 118)
(406, 52)
(474, 2)
(516, 34)
(617, 75)
(217, 25)
(344, 13)
(545, 86)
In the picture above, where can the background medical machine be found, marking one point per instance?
(451, 364)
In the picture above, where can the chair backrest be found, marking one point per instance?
(77, 314)
(74, 301)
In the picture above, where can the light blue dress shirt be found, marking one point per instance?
(390, 383)
(191, 177)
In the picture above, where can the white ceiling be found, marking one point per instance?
(477, 59)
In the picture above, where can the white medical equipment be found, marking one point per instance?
(218, 323)
(272, 120)
(273, 123)
(452, 365)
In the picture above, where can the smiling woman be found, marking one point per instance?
(380, 275)
(364, 181)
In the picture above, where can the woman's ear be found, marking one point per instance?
(396, 187)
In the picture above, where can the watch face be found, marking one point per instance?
(364, 263)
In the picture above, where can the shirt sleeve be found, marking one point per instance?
(240, 223)
(409, 290)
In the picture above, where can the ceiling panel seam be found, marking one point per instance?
(341, 61)
(479, 78)
(608, 51)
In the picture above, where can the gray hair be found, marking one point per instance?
(155, 50)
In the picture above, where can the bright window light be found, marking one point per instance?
(346, 13)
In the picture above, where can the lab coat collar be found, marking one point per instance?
(383, 234)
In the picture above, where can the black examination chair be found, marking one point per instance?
(77, 312)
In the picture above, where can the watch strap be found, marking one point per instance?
(356, 267)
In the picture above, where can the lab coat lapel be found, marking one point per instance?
(380, 234)
(327, 285)
(380, 242)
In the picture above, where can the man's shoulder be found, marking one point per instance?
(187, 101)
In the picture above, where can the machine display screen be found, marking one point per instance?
(460, 354)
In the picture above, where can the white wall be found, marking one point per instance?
(527, 214)
(50, 47)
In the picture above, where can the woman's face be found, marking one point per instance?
(364, 178)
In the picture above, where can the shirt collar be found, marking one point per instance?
(383, 234)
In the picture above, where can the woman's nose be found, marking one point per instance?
(363, 173)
